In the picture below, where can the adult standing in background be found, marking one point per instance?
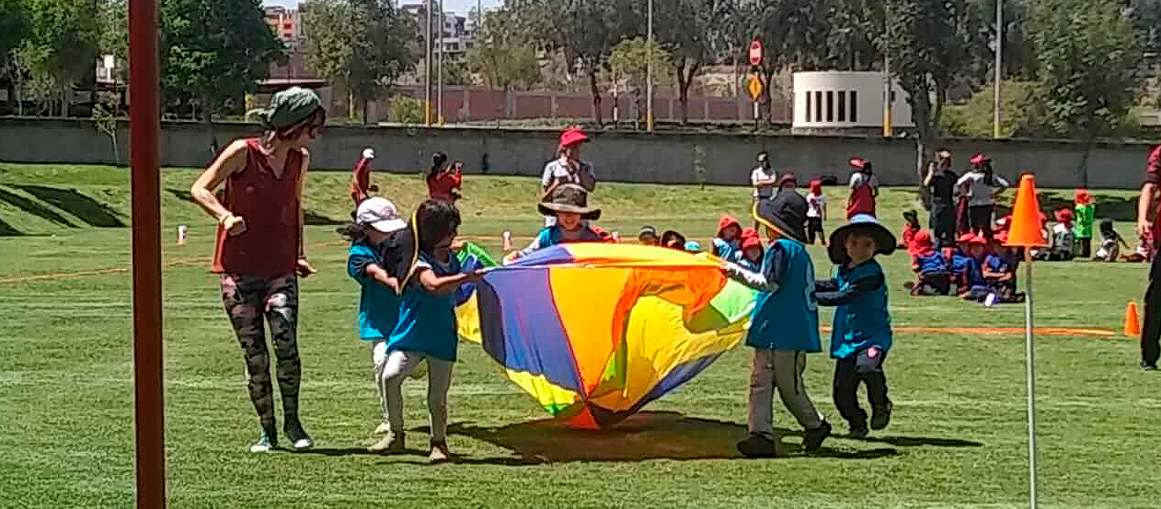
(940, 183)
(864, 189)
(763, 178)
(1148, 207)
(567, 168)
(982, 185)
(259, 250)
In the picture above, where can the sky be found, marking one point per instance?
(456, 6)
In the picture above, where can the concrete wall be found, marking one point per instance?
(618, 156)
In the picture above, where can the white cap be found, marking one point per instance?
(380, 214)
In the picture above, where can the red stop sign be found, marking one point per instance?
(756, 52)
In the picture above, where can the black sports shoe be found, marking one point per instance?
(812, 442)
(1148, 367)
(758, 446)
(881, 416)
(859, 430)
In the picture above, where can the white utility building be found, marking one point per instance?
(837, 101)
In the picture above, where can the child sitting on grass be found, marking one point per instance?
(975, 286)
(861, 335)
(568, 203)
(1063, 237)
(932, 276)
(960, 263)
(728, 241)
(751, 254)
(420, 258)
(673, 240)
(999, 272)
(783, 327)
(1111, 242)
(910, 229)
(375, 219)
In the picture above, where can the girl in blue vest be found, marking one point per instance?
(420, 257)
(861, 334)
(783, 327)
(568, 203)
(375, 219)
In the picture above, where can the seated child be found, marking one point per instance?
(648, 236)
(861, 335)
(999, 271)
(673, 240)
(420, 258)
(960, 263)
(910, 228)
(568, 203)
(975, 287)
(932, 273)
(375, 219)
(728, 241)
(1063, 237)
(751, 254)
(783, 327)
(1111, 242)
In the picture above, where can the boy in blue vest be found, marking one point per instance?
(861, 334)
(568, 204)
(783, 327)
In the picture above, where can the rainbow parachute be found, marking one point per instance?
(596, 331)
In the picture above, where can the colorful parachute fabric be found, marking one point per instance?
(596, 331)
(472, 257)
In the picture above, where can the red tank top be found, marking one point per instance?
(862, 201)
(270, 206)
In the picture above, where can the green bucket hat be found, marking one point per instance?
(289, 107)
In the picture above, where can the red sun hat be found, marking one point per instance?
(572, 137)
(858, 162)
(980, 160)
(978, 240)
(965, 238)
(726, 222)
(750, 242)
(1064, 215)
(922, 243)
(1082, 197)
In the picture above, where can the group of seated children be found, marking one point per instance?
(976, 268)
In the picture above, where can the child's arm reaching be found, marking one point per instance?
(767, 280)
(380, 276)
(1122, 241)
(364, 268)
(446, 284)
(829, 293)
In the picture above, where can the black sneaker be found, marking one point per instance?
(268, 440)
(880, 417)
(812, 442)
(859, 430)
(758, 446)
(299, 440)
(1148, 366)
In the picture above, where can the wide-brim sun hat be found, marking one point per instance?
(786, 213)
(572, 137)
(884, 239)
(569, 198)
(379, 213)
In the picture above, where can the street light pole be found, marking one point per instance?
(439, 73)
(649, 72)
(999, 67)
(427, 67)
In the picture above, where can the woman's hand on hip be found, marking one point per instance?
(304, 269)
(234, 225)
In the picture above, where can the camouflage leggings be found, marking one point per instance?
(248, 299)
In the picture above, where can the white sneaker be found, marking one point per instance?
(302, 444)
(990, 300)
(383, 429)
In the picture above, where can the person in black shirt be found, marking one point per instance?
(940, 183)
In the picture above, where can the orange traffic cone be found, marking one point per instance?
(1026, 229)
(1132, 320)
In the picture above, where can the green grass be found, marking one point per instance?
(957, 440)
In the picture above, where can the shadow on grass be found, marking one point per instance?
(34, 208)
(309, 217)
(642, 436)
(91, 211)
(6, 230)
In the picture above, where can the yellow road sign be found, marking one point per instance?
(754, 86)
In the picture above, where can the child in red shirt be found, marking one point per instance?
(443, 182)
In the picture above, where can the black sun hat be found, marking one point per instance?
(884, 240)
(785, 213)
(569, 198)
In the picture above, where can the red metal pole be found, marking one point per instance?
(144, 128)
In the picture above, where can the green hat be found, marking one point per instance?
(289, 107)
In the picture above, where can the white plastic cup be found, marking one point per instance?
(182, 231)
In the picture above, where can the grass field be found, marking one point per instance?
(957, 438)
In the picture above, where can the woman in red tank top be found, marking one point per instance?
(258, 253)
(864, 189)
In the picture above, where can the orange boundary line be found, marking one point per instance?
(1004, 331)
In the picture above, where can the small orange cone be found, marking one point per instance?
(1132, 320)
(1026, 230)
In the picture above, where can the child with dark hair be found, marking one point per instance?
(673, 240)
(861, 335)
(910, 229)
(864, 189)
(444, 181)
(568, 205)
(1111, 242)
(420, 258)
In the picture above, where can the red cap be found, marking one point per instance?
(572, 137)
(858, 162)
(1063, 215)
(922, 243)
(816, 186)
(979, 159)
(750, 233)
(726, 222)
(1082, 197)
(749, 242)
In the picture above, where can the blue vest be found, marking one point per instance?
(729, 251)
(378, 305)
(933, 263)
(788, 318)
(864, 321)
(554, 235)
(427, 322)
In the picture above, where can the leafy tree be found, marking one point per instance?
(405, 110)
(1019, 113)
(61, 47)
(14, 28)
(853, 25)
(630, 58)
(792, 32)
(504, 57)
(214, 52)
(689, 29)
(362, 44)
(113, 18)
